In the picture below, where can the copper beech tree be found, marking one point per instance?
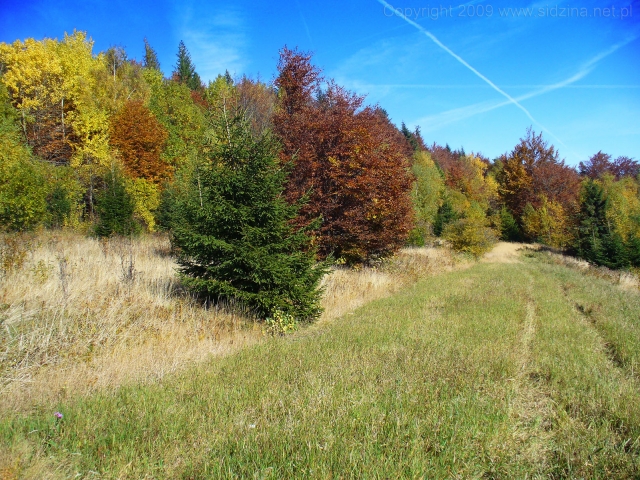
(533, 172)
(349, 159)
(140, 138)
(601, 163)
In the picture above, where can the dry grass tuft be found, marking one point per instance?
(79, 314)
(347, 289)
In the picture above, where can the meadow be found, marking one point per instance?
(516, 366)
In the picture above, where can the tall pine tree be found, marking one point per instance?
(185, 71)
(233, 229)
(150, 57)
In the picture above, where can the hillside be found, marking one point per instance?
(504, 369)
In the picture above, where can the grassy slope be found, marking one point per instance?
(500, 370)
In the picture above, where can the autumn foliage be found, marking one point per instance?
(601, 164)
(349, 159)
(139, 138)
(70, 117)
(533, 172)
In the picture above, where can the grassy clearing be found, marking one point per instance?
(78, 315)
(493, 371)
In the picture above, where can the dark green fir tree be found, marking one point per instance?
(233, 230)
(592, 224)
(150, 57)
(446, 214)
(597, 241)
(115, 208)
(509, 229)
(185, 71)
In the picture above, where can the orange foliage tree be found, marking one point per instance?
(533, 174)
(350, 159)
(140, 138)
(449, 161)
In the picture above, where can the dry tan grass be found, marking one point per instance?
(347, 289)
(78, 314)
(81, 314)
(504, 252)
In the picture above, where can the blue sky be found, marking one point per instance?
(473, 75)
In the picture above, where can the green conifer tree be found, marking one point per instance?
(445, 215)
(509, 228)
(185, 71)
(115, 208)
(233, 229)
(597, 240)
(592, 223)
(150, 57)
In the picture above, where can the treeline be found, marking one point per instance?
(105, 144)
(529, 195)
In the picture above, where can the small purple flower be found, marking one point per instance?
(58, 415)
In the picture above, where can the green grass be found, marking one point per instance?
(496, 371)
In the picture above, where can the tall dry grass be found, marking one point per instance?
(79, 314)
(347, 289)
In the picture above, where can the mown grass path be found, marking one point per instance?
(501, 370)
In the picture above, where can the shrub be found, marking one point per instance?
(471, 234)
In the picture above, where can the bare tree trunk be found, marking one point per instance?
(62, 118)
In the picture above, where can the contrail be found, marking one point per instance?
(584, 71)
(476, 72)
(304, 22)
(471, 110)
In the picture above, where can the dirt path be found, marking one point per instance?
(504, 252)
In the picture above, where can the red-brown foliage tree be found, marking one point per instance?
(140, 138)
(449, 162)
(350, 160)
(601, 163)
(532, 171)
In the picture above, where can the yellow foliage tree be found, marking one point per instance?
(50, 83)
(146, 200)
(548, 224)
(623, 206)
(427, 192)
(476, 184)
(472, 233)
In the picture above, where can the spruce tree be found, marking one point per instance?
(509, 228)
(592, 224)
(115, 208)
(633, 251)
(233, 230)
(446, 214)
(598, 241)
(615, 254)
(185, 71)
(150, 57)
